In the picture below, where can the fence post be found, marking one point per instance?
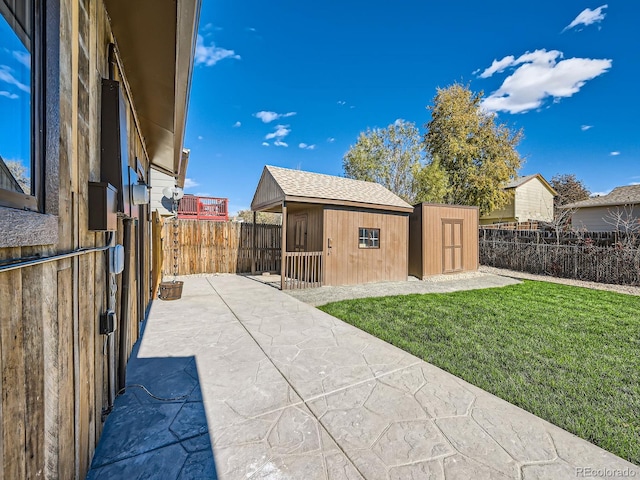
(253, 245)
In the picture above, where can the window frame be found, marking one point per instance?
(36, 223)
(372, 241)
(33, 201)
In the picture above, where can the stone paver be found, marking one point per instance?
(265, 386)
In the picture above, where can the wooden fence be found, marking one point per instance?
(303, 270)
(619, 264)
(221, 247)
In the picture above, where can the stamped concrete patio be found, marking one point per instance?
(256, 384)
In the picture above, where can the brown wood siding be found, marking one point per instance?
(313, 214)
(428, 226)
(347, 264)
(52, 364)
(268, 192)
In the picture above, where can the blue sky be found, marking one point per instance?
(564, 71)
(293, 83)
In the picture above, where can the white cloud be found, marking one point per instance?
(497, 66)
(584, 128)
(238, 124)
(304, 146)
(341, 102)
(280, 143)
(7, 77)
(614, 154)
(540, 76)
(331, 139)
(600, 194)
(203, 194)
(251, 29)
(200, 137)
(265, 144)
(588, 17)
(9, 95)
(209, 55)
(189, 183)
(280, 132)
(268, 117)
(22, 57)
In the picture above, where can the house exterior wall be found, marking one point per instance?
(347, 264)
(159, 181)
(600, 219)
(426, 245)
(52, 362)
(533, 201)
(505, 214)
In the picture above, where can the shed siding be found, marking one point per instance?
(533, 201)
(314, 226)
(52, 363)
(599, 219)
(268, 191)
(347, 264)
(426, 224)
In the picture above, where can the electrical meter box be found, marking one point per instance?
(102, 207)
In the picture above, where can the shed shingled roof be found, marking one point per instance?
(628, 195)
(318, 186)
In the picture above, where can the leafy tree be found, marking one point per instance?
(477, 154)
(431, 182)
(394, 157)
(20, 173)
(261, 217)
(569, 189)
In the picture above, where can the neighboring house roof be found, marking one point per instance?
(519, 181)
(282, 184)
(628, 195)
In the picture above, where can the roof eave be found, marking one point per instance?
(156, 44)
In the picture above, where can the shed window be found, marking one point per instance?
(20, 102)
(369, 238)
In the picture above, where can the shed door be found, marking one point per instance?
(300, 233)
(451, 245)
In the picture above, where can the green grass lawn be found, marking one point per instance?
(569, 355)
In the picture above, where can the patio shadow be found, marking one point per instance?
(158, 427)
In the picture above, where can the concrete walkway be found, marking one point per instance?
(260, 385)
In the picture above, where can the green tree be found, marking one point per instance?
(394, 157)
(261, 217)
(477, 154)
(568, 188)
(431, 183)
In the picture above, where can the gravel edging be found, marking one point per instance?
(626, 289)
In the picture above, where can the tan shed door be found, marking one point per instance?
(451, 246)
(300, 233)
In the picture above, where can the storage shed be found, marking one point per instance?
(442, 239)
(335, 230)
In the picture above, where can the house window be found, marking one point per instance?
(369, 238)
(21, 104)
